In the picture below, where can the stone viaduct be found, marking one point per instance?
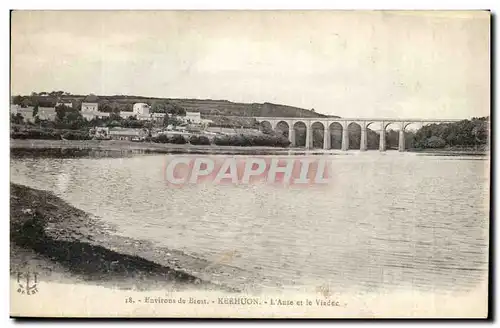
(344, 123)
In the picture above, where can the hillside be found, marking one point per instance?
(227, 108)
(207, 107)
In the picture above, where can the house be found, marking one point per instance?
(127, 134)
(145, 117)
(14, 109)
(194, 118)
(89, 107)
(158, 116)
(126, 115)
(141, 109)
(44, 113)
(47, 113)
(91, 115)
(99, 133)
(26, 113)
(103, 114)
(67, 104)
(180, 128)
(90, 111)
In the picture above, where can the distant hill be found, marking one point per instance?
(207, 107)
(227, 108)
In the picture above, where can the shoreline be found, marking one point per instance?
(123, 145)
(50, 236)
(159, 148)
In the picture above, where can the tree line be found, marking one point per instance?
(466, 133)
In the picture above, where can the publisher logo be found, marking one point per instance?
(303, 171)
(27, 283)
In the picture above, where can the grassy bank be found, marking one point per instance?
(457, 150)
(50, 236)
(130, 146)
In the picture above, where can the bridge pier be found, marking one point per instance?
(291, 135)
(345, 137)
(364, 139)
(308, 135)
(381, 145)
(326, 138)
(401, 139)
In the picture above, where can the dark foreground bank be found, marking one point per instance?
(50, 236)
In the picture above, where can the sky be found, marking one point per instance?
(366, 64)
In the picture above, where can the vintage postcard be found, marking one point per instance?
(250, 164)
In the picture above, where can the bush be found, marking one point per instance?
(19, 135)
(435, 142)
(194, 140)
(222, 141)
(35, 134)
(232, 140)
(161, 138)
(76, 136)
(177, 139)
(262, 140)
(199, 140)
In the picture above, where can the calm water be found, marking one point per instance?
(388, 221)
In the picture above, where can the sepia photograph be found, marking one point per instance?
(249, 163)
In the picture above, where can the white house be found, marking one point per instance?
(103, 114)
(67, 104)
(91, 110)
(141, 109)
(47, 113)
(126, 115)
(194, 118)
(91, 115)
(140, 117)
(157, 116)
(89, 107)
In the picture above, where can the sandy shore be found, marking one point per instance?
(63, 243)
